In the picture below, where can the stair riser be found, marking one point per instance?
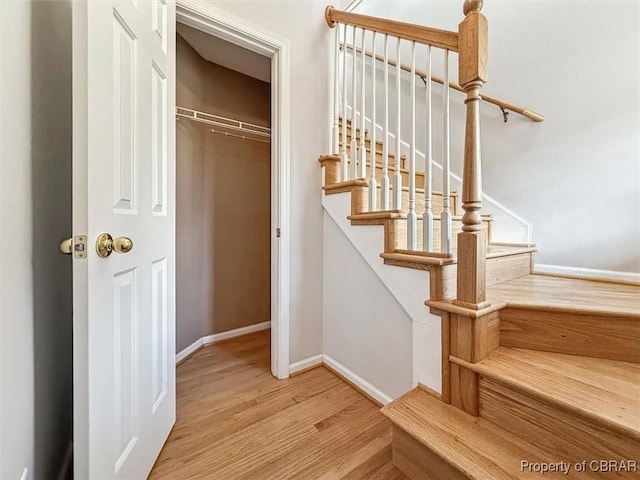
(379, 162)
(405, 177)
(502, 269)
(418, 462)
(436, 196)
(367, 141)
(436, 203)
(613, 337)
(401, 238)
(574, 437)
(499, 269)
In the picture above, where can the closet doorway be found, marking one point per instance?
(229, 203)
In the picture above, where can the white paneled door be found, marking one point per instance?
(123, 185)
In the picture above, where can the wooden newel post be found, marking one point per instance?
(472, 44)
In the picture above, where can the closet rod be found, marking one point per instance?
(229, 134)
(224, 122)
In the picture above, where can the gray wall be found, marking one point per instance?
(35, 331)
(223, 203)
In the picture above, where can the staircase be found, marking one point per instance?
(555, 380)
(540, 373)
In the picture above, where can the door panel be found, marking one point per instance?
(124, 305)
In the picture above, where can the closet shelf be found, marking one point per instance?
(227, 126)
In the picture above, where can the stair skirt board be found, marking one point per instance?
(218, 337)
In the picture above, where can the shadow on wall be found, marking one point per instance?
(52, 271)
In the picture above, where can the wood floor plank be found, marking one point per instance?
(236, 421)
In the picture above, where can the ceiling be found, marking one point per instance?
(227, 54)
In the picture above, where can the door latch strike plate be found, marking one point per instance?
(80, 247)
(278, 232)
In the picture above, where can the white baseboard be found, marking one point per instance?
(587, 272)
(218, 337)
(184, 353)
(358, 381)
(305, 364)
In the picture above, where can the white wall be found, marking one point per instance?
(16, 351)
(576, 176)
(303, 25)
(35, 213)
(365, 328)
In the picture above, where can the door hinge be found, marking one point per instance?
(278, 232)
(76, 245)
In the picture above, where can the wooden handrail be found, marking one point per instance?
(425, 35)
(530, 114)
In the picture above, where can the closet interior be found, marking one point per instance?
(223, 191)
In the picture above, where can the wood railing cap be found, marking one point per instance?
(408, 31)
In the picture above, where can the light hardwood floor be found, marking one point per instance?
(236, 421)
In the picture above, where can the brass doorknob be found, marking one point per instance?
(105, 244)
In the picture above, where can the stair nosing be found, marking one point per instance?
(584, 310)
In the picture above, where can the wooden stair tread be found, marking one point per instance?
(346, 186)
(399, 257)
(438, 258)
(472, 445)
(605, 391)
(494, 250)
(545, 292)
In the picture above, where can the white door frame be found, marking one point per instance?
(214, 21)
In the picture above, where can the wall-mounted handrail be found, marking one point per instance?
(415, 33)
(503, 104)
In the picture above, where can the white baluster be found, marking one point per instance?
(362, 149)
(397, 176)
(354, 77)
(427, 217)
(373, 184)
(335, 147)
(384, 187)
(412, 218)
(445, 217)
(344, 160)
